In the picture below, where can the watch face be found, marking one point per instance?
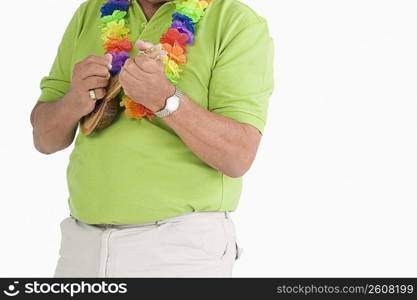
(172, 103)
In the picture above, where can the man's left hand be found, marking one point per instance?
(143, 80)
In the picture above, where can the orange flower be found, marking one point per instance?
(114, 44)
(175, 52)
(135, 110)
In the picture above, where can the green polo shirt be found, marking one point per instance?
(139, 170)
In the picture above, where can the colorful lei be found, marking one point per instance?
(115, 35)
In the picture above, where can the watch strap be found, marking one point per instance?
(165, 112)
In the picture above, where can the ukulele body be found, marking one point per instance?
(106, 109)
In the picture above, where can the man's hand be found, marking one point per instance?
(55, 122)
(90, 73)
(143, 80)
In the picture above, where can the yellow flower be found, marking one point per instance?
(171, 66)
(202, 4)
(113, 28)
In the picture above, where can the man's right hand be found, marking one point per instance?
(92, 73)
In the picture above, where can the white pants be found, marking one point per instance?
(198, 244)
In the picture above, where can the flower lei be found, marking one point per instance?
(115, 35)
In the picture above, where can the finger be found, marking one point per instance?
(143, 45)
(100, 93)
(95, 82)
(132, 69)
(109, 58)
(149, 49)
(146, 64)
(104, 60)
(94, 70)
(127, 80)
(156, 53)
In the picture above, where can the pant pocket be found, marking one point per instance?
(239, 251)
(204, 238)
(231, 233)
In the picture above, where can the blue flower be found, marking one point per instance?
(108, 8)
(187, 21)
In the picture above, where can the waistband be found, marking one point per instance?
(179, 218)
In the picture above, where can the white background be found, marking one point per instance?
(333, 189)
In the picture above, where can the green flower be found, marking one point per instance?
(115, 17)
(191, 9)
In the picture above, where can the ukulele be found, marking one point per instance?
(107, 108)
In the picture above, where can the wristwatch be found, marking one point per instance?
(172, 103)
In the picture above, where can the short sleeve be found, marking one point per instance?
(57, 83)
(242, 78)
